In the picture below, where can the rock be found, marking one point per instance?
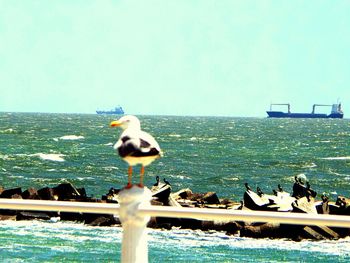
(263, 230)
(10, 192)
(46, 193)
(16, 196)
(198, 197)
(152, 223)
(230, 227)
(71, 216)
(82, 192)
(182, 194)
(32, 215)
(156, 202)
(99, 219)
(303, 205)
(211, 198)
(173, 202)
(161, 193)
(30, 193)
(255, 202)
(8, 217)
(67, 191)
(312, 234)
(326, 232)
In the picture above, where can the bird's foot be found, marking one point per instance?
(140, 185)
(128, 186)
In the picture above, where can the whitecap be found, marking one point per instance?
(72, 137)
(56, 157)
(232, 179)
(4, 157)
(311, 165)
(175, 135)
(337, 158)
(110, 168)
(109, 144)
(10, 130)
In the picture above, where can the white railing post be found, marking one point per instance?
(134, 242)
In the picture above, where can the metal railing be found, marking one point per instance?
(168, 211)
(135, 209)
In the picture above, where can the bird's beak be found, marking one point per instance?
(115, 123)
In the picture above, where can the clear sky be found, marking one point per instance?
(173, 57)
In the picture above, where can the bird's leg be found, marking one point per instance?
(142, 172)
(129, 185)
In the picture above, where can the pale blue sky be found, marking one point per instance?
(183, 57)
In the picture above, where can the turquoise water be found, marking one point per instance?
(202, 153)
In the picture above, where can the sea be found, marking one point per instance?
(204, 154)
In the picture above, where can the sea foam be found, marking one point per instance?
(56, 157)
(337, 158)
(72, 137)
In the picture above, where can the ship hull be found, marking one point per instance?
(116, 110)
(280, 114)
(110, 112)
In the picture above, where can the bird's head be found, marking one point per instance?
(128, 121)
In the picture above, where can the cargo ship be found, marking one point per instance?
(117, 110)
(336, 112)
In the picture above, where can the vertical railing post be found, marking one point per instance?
(134, 241)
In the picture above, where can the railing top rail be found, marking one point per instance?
(166, 211)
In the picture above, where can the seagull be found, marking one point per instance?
(135, 146)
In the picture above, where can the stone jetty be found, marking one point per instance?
(302, 200)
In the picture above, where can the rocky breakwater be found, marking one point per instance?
(61, 192)
(301, 200)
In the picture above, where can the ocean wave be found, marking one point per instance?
(337, 158)
(72, 137)
(311, 165)
(55, 157)
(110, 168)
(174, 135)
(194, 239)
(8, 131)
(4, 157)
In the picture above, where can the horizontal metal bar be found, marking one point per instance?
(59, 206)
(167, 211)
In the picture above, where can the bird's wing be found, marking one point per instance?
(137, 144)
(147, 142)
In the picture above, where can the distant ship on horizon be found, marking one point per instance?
(336, 112)
(117, 110)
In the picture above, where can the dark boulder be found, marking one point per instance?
(100, 219)
(32, 215)
(211, 198)
(8, 193)
(30, 193)
(46, 193)
(67, 191)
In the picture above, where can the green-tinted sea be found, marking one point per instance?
(202, 153)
